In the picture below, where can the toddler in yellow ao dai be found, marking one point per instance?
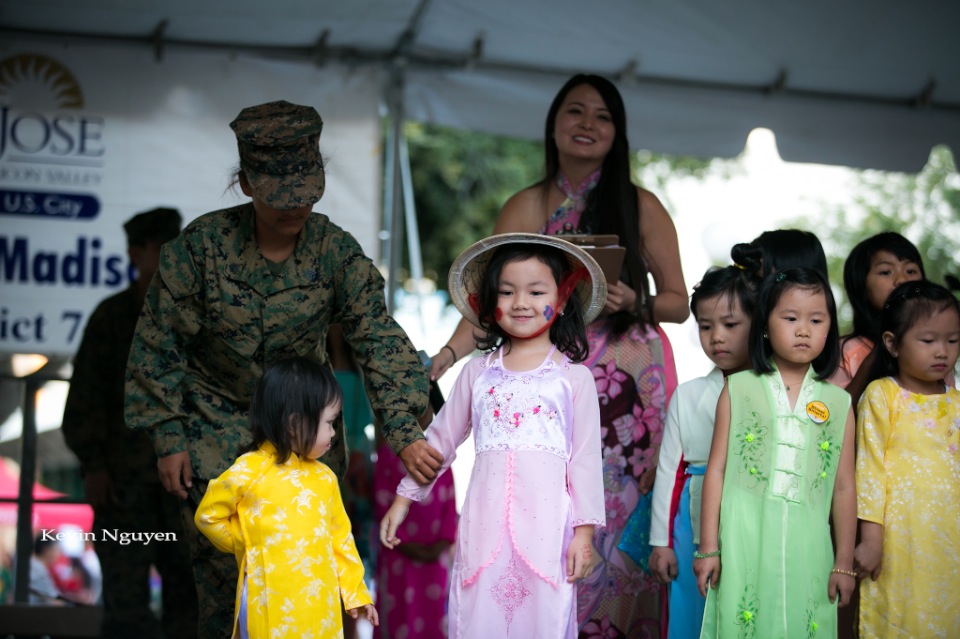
(287, 527)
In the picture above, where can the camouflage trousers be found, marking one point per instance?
(215, 573)
(144, 507)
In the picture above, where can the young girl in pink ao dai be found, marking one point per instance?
(536, 491)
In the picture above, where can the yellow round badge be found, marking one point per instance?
(818, 412)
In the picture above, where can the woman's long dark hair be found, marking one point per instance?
(866, 319)
(287, 405)
(567, 331)
(908, 304)
(773, 288)
(613, 206)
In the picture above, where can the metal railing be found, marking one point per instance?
(28, 469)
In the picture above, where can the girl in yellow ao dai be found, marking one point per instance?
(278, 510)
(908, 471)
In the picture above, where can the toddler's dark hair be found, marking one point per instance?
(287, 405)
(907, 304)
(866, 319)
(567, 331)
(737, 282)
(773, 288)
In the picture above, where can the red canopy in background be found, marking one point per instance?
(45, 516)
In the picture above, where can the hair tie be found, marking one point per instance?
(740, 266)
(779, 277)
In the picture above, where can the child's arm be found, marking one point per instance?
(346, 559)
(707, 569)
(584, 474)
(663, 564)
(844, 509)
(873, 431)
(585, 468)
(580, 559)
(445, 515)
(869, 553)
(392, 520)
(663, 560)
(216, 515)
(450, 428)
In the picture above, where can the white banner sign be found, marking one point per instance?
(91, 136)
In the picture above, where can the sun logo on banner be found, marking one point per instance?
(38, 81)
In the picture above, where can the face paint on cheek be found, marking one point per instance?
(547, 313)
(497, 314)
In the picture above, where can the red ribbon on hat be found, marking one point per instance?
(566, 289)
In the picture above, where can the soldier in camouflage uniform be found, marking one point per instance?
(240, 289)
(119, 465)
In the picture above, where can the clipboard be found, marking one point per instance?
(605, 249)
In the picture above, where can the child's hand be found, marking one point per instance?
(842, 585)
(707, 572)
(868, 559)
(392, 520)
(368, 611)
(663, 564)
(580, 555)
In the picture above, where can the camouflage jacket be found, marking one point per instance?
(215, 316)
(93, 425)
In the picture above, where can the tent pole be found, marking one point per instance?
(28, 469)
(394, 232)
(410, 211)
(412, 229)
(387, 215)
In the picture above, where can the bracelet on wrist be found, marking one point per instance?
(705, 555)
(841, 571)
(453, 353)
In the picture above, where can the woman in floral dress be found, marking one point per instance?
(587, 189)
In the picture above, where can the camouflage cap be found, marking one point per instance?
(157, 225)
(280, 154)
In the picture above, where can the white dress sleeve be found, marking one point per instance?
(671, 453)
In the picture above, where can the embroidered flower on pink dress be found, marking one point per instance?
(609, 380)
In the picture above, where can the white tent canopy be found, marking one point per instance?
(864, 83)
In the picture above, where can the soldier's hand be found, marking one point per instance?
(422, 461)
(98, 490)
(176, 474)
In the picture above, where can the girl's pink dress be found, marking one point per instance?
(412, 595)
(537, 475)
